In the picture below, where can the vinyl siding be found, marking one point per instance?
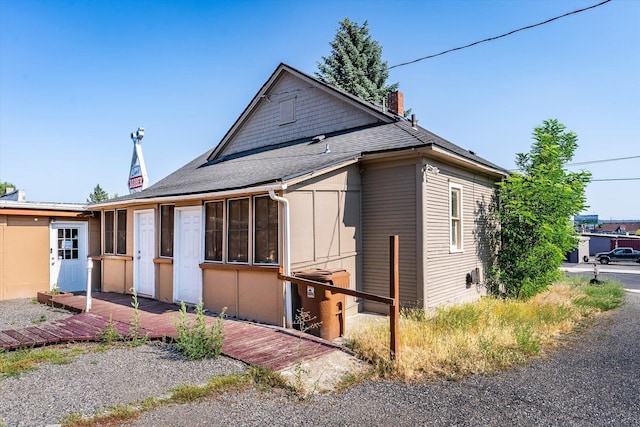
(316, 113)
(389, 208)
(445, 271)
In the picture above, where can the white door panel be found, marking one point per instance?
(68, 256)
(144, 253)
(187, 256)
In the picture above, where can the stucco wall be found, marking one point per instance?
(25, 253)
(25, 258)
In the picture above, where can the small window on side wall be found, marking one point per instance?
(109, 232)
(166, 230)
(455, 218)
(266, 231)
(121, 232)
(214, 228)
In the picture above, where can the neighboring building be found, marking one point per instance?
(602, 242)
(351, 174)
(581, 253)
(619, 227)
(42, 244)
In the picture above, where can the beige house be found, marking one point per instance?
(307, 177)
(43, 245)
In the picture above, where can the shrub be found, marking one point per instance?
(195, 339)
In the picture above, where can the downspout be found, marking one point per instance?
(286, 255)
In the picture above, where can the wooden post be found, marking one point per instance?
(394, 309)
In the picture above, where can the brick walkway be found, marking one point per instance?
(260, 345)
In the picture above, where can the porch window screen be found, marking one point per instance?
(121, 232)
(109, 235)
(455, 203)
(266, 230)
(238, 231)
(166, 230)
(213, 231)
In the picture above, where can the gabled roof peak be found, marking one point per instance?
(265, 94)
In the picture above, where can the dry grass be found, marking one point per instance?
(482, 337)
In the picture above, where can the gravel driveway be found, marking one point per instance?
(24, 312)
(593, 381)
(96, 380)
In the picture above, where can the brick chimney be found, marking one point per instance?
(396, 102)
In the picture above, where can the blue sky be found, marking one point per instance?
(77, 77)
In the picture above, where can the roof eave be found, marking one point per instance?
(437, 152)
(7, 204)
(189, 197)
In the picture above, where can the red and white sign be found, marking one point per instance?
(138, 179)
(136, 182)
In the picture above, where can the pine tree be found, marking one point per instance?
(355, 64)
(98, 195)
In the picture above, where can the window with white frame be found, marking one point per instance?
(265, 230)
(455, 217)
(238, 230)
(214, 227)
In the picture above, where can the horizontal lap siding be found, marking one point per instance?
(445, 272)
(388, 208)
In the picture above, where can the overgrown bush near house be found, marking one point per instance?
(195, 339)
(533, 208)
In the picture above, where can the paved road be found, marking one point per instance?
(594, 380)
(627, 273)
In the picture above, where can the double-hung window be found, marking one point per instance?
(238, 230)
(455, 218)
(265, 230)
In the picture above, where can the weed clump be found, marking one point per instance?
(195, 339)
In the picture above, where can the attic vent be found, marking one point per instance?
(287, 111)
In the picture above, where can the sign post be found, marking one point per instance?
(138, 179)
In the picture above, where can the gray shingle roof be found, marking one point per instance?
(285, 161)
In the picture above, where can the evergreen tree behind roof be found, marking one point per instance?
(355, 64)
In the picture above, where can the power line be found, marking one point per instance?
(616, 179)
(602, 161)
(498, 37)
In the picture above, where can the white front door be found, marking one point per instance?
(68, 256)
(187, 276)
(144, 280)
